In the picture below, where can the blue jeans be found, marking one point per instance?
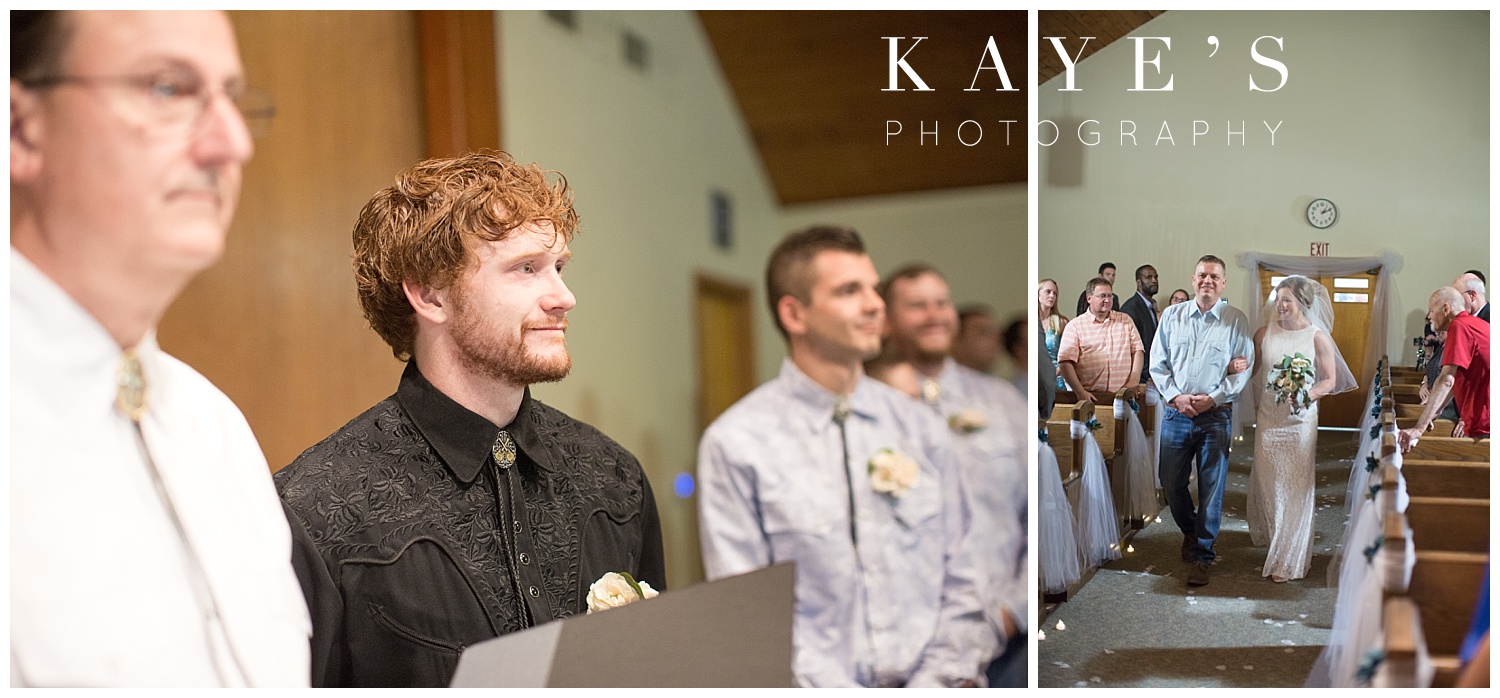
(1183, 438)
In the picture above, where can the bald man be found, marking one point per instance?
(1466, 369)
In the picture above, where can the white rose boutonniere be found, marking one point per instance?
(892, 473)
(967, 421)
(616, 589)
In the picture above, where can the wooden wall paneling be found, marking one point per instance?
(1106, 26)
(810, 86)
(275, 324)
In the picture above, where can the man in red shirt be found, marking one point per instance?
(1466, 369)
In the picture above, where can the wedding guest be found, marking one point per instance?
(1046, 376)
(1178, 296)
(852, 480)
(1106, 272)
(1190, 366)
(977, 344)
(461, 508)
(147, 546)
(1100, 352)
(1141, 308)
(1052, 322)
(1465, 373)
(1470, 285)
(987, 418)
(1433, 341)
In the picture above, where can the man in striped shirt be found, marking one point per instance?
(1100, 352)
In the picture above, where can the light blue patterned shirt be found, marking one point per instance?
(993, 457)
(901, 606)
(1192, 351)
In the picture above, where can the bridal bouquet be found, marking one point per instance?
(1290, 380)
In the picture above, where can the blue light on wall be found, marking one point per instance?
(683, 485)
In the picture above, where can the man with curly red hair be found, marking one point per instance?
(459, 508)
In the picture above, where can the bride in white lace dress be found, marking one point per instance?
(1282, 476)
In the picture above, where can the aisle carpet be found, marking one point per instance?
(1136, 624)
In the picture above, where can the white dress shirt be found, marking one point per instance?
(103, 590)
(900, 607)
(992, 452)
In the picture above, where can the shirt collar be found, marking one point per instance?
(1149, 302)
(953, 382)
(77, 344)
(950, 378)
(462, 438)
(1095, 319)
(815, 403)
(1216, 312)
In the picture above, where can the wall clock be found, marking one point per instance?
(1321, 213)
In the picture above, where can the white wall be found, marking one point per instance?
(1385, 113)
(643, 151)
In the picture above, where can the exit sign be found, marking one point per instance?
(1319, 249)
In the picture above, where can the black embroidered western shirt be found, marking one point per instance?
(412, 541)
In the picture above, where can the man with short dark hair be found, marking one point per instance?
(460, 508)
(1141, 308)
(1106, 272)
(147, 544)
(852, 480)
(1466, 369)
(1190, 360)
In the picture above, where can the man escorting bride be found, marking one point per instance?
(1296, 365)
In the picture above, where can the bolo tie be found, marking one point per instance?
(130, 401)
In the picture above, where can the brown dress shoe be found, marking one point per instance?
(1198, 575)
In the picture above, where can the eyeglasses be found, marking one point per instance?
(175, 97)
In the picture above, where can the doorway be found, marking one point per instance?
(726, 346)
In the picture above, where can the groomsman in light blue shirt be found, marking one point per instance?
(854, 481)
(987, 419)
(1190, 358)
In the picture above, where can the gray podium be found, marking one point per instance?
(734, 632)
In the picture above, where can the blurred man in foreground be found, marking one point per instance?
(147, 545)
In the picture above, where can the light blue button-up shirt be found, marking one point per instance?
(1192, 351)
(901, 606)
(993, 457)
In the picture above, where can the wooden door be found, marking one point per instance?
(725, 343)
(726, 347)
(1352, 295)
(276, 324)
